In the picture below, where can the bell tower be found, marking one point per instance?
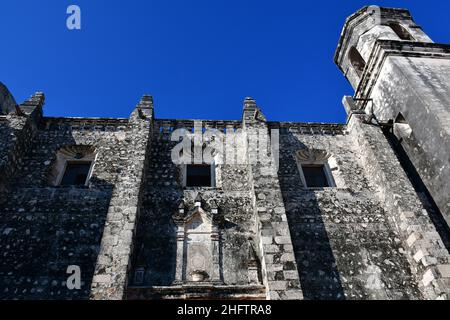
(401, 80)
(364, 29)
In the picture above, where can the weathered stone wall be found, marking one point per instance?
(155, 245)
(417, 88)
(116, 248)
(11, 129)
(428, 256)
(17, 131)
(279, 267)
(7, 101)
(44, 229)
(371, 235)
(407, 76)
(344, 244)
(404, 89)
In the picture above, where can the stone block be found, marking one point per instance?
(293, 295)
(287, 257)
(419, 255)
(271, 248)
(429, 261)
(267, 240)
(274, 267)
(280, 210)
(282, 240)
(443, 270)
(429, 276)
(277, 285)
(290, 274)
(413, 237)
(103, 278)
(273, 295)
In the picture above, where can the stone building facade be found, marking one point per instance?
(337, 211)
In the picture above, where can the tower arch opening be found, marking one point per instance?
(401, 31)
(356, 60)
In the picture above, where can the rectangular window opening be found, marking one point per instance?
(76, 173)
(315, 176)
(198, 175)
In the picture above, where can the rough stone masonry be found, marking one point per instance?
(359, 210)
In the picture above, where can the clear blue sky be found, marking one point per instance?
(198, 58)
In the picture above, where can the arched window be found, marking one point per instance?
(400, 31)
(356, 60)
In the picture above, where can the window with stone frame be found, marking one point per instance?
(73, 166)
(314, 169)
(199, 175)
(194, 173)
(76, 173)
(315, 176)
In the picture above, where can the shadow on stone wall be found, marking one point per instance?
(424, 195)
(6, 134)
(45, 229)
(156, 246)
(319, 276)
(155, 241)
(8, 137)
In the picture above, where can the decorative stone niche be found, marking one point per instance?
(71, 154)
(198, 244)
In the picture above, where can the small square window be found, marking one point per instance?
(198, 176)
(76, 173)
(315, 176)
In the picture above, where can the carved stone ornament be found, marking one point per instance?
(312, 155)
(198, 244)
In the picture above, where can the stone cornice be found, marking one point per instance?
(83, 123)
(310, 128)
(386, 48)
(349, 25)
(353, 21)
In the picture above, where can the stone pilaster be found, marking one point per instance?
(428, 257)
(215, 243)
(180, 256)
(279, 268)
(20, 129)
(113, 262)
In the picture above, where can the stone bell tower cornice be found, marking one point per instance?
(364, 29)
(388, 48)
(361, 16)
